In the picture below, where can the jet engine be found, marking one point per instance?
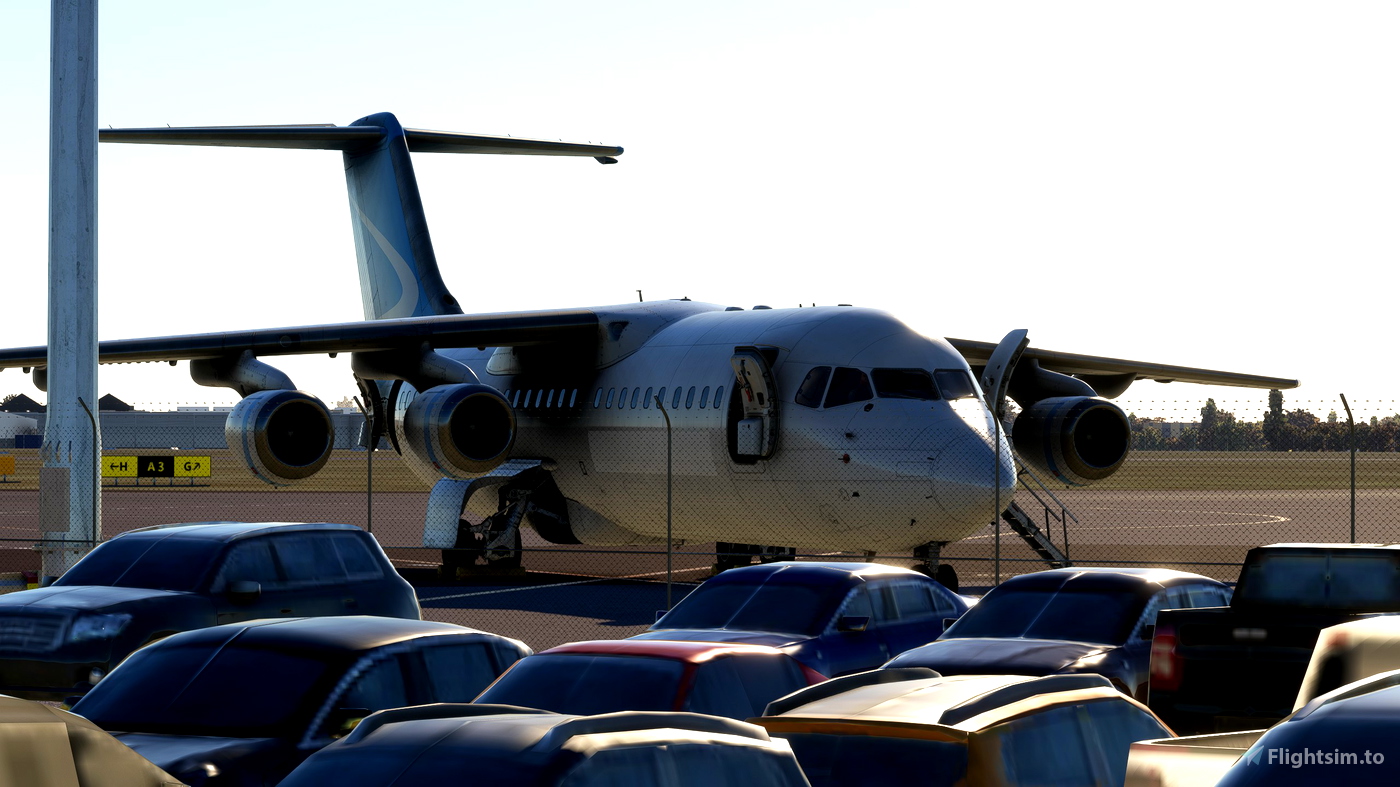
(461, 431)
(1076, 439)
(281, 436)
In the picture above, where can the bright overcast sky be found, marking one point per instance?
(1200, 183)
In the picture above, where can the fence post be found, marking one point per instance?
(1351, 424)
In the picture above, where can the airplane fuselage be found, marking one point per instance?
(877, 472)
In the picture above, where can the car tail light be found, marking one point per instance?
(1167, 664)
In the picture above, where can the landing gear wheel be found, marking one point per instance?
(729, 555)
(774, 554)
(946, 576)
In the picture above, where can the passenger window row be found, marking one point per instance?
(845, 385)
(645, 400)
(541, 399)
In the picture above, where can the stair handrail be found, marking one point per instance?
(1025, 470)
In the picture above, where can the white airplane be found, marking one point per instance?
(829, 428)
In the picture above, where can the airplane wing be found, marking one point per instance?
(1089, 367)
(464, 330)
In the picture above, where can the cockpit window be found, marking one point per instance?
(809, 394)
(955, 384)
(904, 384)
(848, 385)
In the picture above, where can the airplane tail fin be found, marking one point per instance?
(398, 271)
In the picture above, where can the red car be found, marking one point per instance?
(587, 678)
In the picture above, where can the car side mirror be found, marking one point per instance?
(851, 623)
(341, 721)
(1148, 632)
(244, 591)
(948, 622)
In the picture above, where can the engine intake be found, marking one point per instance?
(462, 430)
(281, 436)
(1076, 439)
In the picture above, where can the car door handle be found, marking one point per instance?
(352, 603)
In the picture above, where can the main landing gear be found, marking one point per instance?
(927, 555)
(729, 555)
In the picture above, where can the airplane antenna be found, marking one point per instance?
(639, 296)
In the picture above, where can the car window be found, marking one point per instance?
(1207, 596)
(359, 562)
(1164, 599)
(777, 606)
(171, 563)
(459, 672)
(206, 689)
(308, 559)
(1047, 748)
(882, 602)
(766, 677)
(848, 385)
(1098, 616)
(1111, 727)
(871, 761)
(912, 601)
(586, 684)
(375, 683)
(857, 605)
(718, 692)
(247, 561)
(684, 764)
(1326, 580)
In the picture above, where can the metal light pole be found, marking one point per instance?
(670, 545)
(1352, 425)
(69, 506)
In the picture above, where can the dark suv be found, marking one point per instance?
(147, 584)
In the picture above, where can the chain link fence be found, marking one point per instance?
(1205, 482)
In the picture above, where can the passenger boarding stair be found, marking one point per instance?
(1036, 538)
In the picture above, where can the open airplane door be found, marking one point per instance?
(757, 419)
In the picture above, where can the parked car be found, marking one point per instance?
(147, 584)
(1240, 667)
(1347, 653)
(913, 726)
(41, 745)
(836, 618)
(244, 703)
(1067, 620)
(1346, 736)
(587, 678)
(497, 744)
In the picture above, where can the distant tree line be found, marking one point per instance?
(1298, 430)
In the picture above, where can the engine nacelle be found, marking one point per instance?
(281, 436)
(461, 431)
(1076, 439)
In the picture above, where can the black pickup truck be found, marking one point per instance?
(1220, 669)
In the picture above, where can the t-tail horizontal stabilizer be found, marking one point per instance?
(398, 269)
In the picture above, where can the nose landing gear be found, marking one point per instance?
(927, 555)
(730, 555)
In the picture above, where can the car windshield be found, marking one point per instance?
(1356, 581)
(861, 760)
(206, 689)
(170, 563)
(586, 684)
(1098, 616)
(776, 606)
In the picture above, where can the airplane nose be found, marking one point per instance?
(966, 473)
